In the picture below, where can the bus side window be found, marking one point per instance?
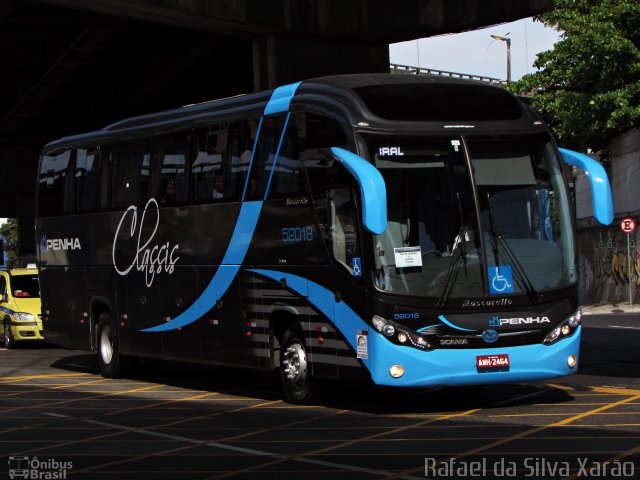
(169, 171)
(52, 184)
(87, 179)
(207, 175)
(343, 230)
(127, 159)
(265, 156)
(287, 177)
(237, 155)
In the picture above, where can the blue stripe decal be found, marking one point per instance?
(253, 152)
(427, 328)
(233, 258)
(275, 159)
(439, 367)
(449, 324)
(373, 191)
(345, 319)
(281, 99)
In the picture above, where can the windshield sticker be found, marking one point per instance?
(500, 280)
(408, 257)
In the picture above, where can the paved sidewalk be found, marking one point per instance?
(604, 308)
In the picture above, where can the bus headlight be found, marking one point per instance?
(575, 319)
(399, 334)
(565, 329)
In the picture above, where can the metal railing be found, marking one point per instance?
(406, 69)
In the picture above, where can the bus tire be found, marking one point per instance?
(9, 341)
(295, 370)
(111, 362)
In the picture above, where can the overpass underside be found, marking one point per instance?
(76, 65)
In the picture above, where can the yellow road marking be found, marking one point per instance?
(345, 444)
(22, 378)
(80, 399)
(58, 387)
(164, 402)
(619, 457)
(526, 433)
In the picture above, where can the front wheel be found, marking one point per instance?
(295, 370)
(111, 362)
(9, 341)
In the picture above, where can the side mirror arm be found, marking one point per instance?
(373, 192)
(599, 182)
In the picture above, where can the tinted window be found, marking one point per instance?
(170, 173)
(238, 155)
(52, 184)
(207, 170)
(440, 103)
(316, 136)
(264, 156)
(127, 159)
(87, 179)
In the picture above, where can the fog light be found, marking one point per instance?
(565, 329)
(572, 361)
(396, 371)
(402, 337)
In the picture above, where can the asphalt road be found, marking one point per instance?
(57, 416)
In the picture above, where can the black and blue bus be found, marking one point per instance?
(404, 230)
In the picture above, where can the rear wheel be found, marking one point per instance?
(295, 370)
(9, 341)
(111, 362)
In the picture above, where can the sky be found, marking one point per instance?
(476, 53)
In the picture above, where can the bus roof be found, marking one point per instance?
(375, 99)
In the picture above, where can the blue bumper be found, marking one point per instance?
(449, 367)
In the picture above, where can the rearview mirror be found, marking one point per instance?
(599, 182)
(373, 192)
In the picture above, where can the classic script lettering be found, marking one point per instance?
(150, 259)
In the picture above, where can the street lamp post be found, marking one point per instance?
(508, 42)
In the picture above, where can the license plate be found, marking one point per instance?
(493, 363)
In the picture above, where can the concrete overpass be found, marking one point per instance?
(74, 65)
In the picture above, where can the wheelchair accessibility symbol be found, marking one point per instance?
(500, 280)
(356, 267)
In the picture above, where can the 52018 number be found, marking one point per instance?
(297, 234)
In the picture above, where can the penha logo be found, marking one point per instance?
(59, 244)
(150, 259)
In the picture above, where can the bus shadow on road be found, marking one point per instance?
(354, 397)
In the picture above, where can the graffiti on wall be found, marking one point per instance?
(604, 266)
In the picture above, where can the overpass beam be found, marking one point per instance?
(281, 59)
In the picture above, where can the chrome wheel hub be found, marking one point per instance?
(295, 363)
(106, 348)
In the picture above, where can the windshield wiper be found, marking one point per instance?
(460, 246)
(499, 240)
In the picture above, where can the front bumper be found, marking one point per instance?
(453, 367)
(26, 331)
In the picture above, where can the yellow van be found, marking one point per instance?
(20, 306)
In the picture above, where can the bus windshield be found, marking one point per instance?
(449, 227)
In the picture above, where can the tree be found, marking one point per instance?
(9, 233)
(589, 84)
